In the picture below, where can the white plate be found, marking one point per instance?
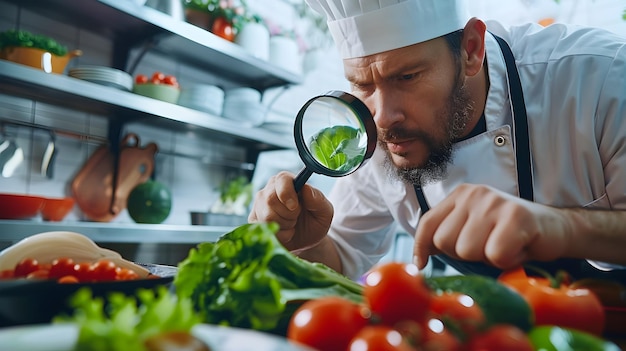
(62, 337)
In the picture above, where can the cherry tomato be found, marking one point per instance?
(327, 323)
(103, 270)
(395, 292)
(125, 274)
(141, 79)
(68, 279)
(25, 267)
(223, 29)
(458, 309)
(379, 338)
(437, 337)
(7, 274)
(82, 271)
(39, 274)
(157, 77)
(170, 80)
(501, 337)
(61, 266)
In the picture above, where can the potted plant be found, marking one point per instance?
(34, 50)
(223, 18)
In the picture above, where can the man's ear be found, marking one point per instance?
(473, 46)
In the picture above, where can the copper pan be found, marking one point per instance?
(93, 185)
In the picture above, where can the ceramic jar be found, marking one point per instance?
(255, 38)
(284, 53)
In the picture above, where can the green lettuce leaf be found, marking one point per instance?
(248, 279)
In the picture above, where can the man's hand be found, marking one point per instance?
(304, 218)
(479, 223)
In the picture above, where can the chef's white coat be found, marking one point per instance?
(574, 84)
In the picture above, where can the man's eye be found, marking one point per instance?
(407, 76)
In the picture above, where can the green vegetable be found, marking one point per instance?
(232, 190)
(235, 196)
(499, 303)
(121, 322)
(554, 338)
(149, 202)
(248, 279)
(338, 148)
(20, 38)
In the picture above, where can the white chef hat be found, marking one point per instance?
(365, 27)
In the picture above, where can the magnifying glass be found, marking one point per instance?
(335, 135)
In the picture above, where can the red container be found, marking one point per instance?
(14, 206)
(55, 209)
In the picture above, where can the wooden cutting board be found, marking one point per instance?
(92, 187)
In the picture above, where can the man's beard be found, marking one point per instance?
(455, 118)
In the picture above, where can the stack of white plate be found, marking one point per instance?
(104, 76)
(244, 104)
(202, 97)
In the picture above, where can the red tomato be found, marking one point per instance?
(170, 80)
(157, 77)
(39, 274)
(67, 279)
(459, 309)
(437, 337)
(125, 274)
(7, 274)
(141, 79)
(379, 338)
(25, 267)
(223, 29)
(555, 303)
(62, 266)
(327, 323)
(82, 271)
(500, 337)
(103, 270)
(396, 291)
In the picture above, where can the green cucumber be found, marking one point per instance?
(499, 303)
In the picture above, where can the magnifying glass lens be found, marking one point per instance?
(335, 134)
(339, 148)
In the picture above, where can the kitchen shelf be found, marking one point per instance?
(133, 25)
(15, 230)
(113, 103)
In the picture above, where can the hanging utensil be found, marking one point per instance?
(96, 194)
(47, 162)
(11, 155)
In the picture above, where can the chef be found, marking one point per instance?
(496, 147)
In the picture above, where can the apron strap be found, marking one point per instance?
(520, 132)
(520, 124)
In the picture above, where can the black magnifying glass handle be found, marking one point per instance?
(301, 178)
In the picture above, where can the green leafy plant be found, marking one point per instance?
(21, 38)
(235, 196)
(338, 148)
(235, 12)
(248, 279)
(120, 322)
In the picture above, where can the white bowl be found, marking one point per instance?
(250, 113)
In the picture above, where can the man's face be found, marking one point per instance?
(419, 103)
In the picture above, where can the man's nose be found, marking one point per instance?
(386, 109)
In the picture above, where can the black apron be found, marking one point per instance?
(577, 268)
